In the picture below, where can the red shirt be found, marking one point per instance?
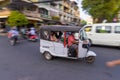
(71, 39)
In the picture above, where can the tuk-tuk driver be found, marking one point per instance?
(72, 42)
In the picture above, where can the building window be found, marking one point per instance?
(43, 11)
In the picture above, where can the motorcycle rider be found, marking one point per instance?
(13, 33)
(23, 32)
(32, 32)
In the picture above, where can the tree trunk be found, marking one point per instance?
(100, 20)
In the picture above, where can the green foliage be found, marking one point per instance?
(17, 19)
(102, 31)
(55, 18)
(83, 22)
(101, 9)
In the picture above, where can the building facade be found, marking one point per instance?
(63, 11)
(31, 11)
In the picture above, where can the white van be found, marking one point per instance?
(104, 34)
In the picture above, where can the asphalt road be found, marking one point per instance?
(24, 62)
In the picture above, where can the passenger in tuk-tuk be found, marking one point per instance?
(72, 44)
(53, 37)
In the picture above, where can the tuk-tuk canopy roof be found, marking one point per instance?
(60, 28)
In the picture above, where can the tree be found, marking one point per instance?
(55, 18)
(17, 19)
(101, 9)
(83, 22)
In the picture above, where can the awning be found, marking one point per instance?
(3, 16)
(37, 19)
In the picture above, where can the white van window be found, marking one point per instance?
(88, 28)
(117, 29)
(98, 29)
(103, 29)
(107, 29)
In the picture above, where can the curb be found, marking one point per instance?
(3, 34)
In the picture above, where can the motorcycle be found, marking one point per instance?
(13, 40)
(24, 35)
(33, 38)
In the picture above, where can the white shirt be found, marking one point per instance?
(32, 32)
(14, 32)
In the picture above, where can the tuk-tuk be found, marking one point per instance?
(59, 48)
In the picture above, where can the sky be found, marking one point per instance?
(83, 14)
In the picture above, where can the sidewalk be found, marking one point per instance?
(3, 34)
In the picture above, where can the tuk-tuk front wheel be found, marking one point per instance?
(90, 59)
(48, 56)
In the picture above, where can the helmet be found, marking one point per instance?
(14, 28)
(32, 28)
(70, 33)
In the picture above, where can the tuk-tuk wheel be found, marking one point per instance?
(48, 56)
(90, 59)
